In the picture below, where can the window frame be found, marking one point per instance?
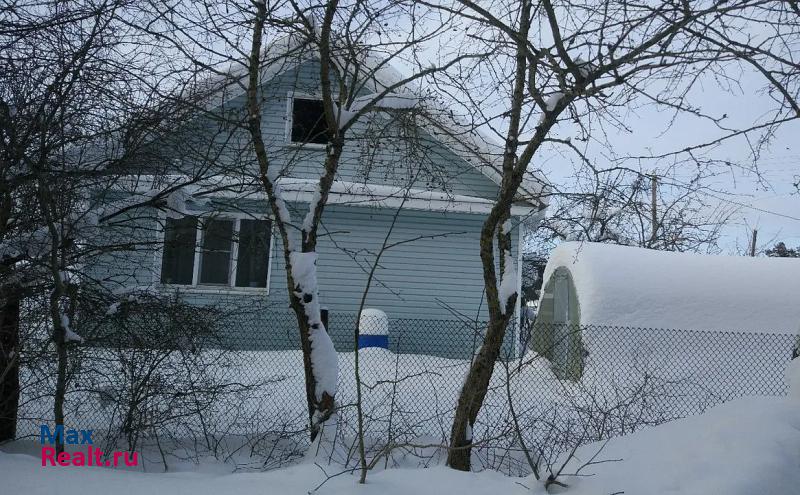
(196, 286)
(290, 96)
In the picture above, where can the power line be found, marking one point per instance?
(756, 208)
(736, 203)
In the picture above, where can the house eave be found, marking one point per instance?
(342, 193)
(385, 196)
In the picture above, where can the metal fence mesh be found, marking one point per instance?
(203, 387)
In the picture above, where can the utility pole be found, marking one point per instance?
(653, 208)
(753, 243)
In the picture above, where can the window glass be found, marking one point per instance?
(308, 121)
(215, 260)
(253, 257)
(177, 263)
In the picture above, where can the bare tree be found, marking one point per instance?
(10, 292)
(566, 64)
(75, 116)
(627, 207)
(339, 35)
(51, 83)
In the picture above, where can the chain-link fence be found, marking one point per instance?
(188, 385)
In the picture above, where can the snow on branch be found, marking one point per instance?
(284, 215)
(390, 101)
(585, 67)
(550, 104)
(313, 204)
(69, 334)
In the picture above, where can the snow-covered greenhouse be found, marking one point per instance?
(599, 285)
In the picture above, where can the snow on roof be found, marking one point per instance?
(390, 196)
(636, 287)
(472, 145)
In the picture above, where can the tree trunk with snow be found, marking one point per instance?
(342, 108)
(476, 384)
(55, 268)
(320, 363)
(59, 337)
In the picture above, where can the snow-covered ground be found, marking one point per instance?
(748, 446)
(655, 377)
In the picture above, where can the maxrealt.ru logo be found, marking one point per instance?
(92, 456)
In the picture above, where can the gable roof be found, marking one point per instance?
(637, 287)
(472, 145)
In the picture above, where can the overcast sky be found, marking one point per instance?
(768, 201)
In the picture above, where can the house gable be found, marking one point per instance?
(381, 149)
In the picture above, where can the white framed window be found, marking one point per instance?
(228, 252)
(305, 121)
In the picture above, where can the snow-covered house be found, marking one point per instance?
(603, 285)
(217, 242)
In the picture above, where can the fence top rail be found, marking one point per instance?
(782, 333)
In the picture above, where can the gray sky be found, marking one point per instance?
(770, 203)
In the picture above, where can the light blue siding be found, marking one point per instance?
(384, 159)
(129, 244)
(422, 278)
(429, 286)
(435, 271)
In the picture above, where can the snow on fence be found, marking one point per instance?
(239, 395)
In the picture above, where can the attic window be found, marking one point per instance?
(308, 121)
